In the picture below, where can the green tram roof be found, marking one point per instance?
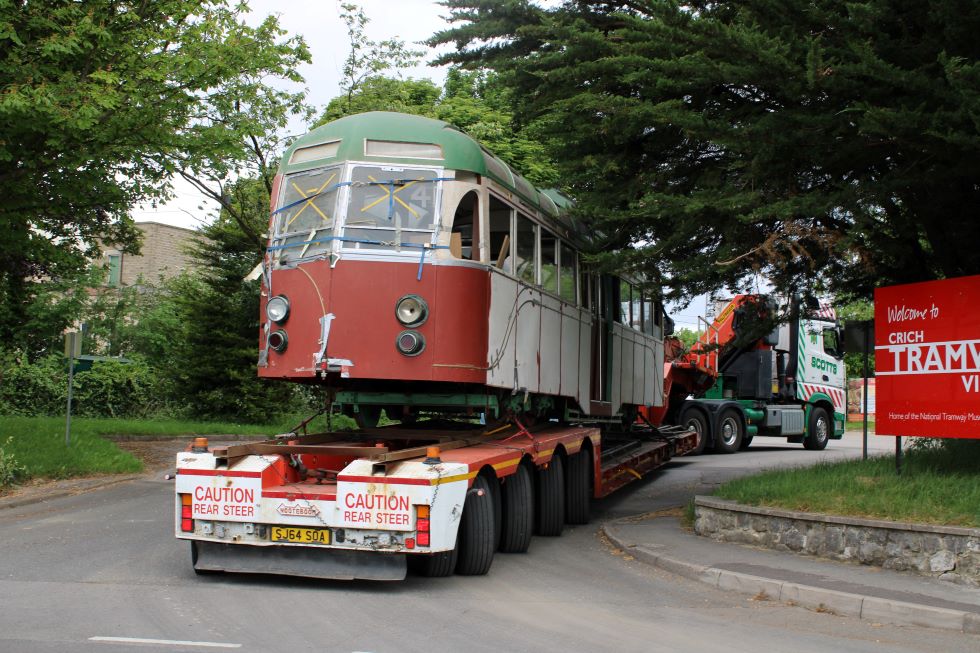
(459, 152)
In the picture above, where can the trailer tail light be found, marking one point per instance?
(186, 515)
(422, 525)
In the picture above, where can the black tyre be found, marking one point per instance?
(550, 504)
(517, 513)
(730, 431)
(746, 441)
(477, 536)
(438, 565)
(818, 431)
(696, 420)
(199, 572)
(578, 488)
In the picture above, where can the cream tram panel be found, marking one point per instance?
(549, 373)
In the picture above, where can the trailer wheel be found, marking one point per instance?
(730, 432)
(477, 539)
(818, 433)
(578, 492)
(550, 509)
(194, 555)
(517, 520)
(438, 565)
(696, 421)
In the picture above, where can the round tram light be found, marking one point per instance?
(278, 340)
(277, 310)
(411, 310)
(410, 343)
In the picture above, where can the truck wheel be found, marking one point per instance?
(578, 492)
(517, 520)
(818, 431)
(550, 509)
(746, 441)
(730, 432)
(438, 565)
(477, 539)
(696, 421)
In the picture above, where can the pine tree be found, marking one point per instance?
(828, 145)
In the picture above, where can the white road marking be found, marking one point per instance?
(167, 642)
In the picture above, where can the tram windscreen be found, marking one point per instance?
(390, 207)
(305, 223)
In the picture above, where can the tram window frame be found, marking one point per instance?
(567, 292)
(585, 288)
(500, 214)
(545, 235)
(624, 305)
(525, 267)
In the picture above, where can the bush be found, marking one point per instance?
(115, 389)
(38, 388)
(10, 470)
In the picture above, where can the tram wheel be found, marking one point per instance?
(367, 417)
(578, 493)
(517, 518)
(550, 509)
(476, 536)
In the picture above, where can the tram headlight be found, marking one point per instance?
(277, 309)
(410, 343)
(411, 310)
(278, 340)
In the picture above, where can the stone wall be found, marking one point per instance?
(946, 552)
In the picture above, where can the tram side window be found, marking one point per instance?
(499, 220)
(624, 302)
(649, 322)
(567, 273)
(636, 309)
(464, 241)
(585, 283)
(526, 240)
(549, 261)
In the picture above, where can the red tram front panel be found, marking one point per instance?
(358, 299)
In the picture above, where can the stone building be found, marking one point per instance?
(164, 255)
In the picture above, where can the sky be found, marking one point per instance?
(318, 22)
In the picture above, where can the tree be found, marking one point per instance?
(216, 364)
(474, 102)
(366, 58)
(104, 101)
(831, 146)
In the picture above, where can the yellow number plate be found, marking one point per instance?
(301, 535)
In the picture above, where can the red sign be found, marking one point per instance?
(927, 359)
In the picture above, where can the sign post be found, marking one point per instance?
(927, 360)
(73, 347)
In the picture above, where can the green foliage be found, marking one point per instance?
(32, 388)
(860, 309)
(216, 364)
(940, 484)
(115, 389)
(687, 337)
(103, 102)
(474, 102)
(829, 146)
(10, 470)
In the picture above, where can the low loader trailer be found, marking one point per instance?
(364, 504)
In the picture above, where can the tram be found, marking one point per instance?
(410, 270)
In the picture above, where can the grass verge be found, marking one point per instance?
(37, 444)
(940, 484)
